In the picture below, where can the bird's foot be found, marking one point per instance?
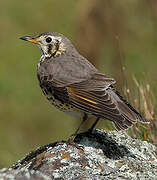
(71, 142)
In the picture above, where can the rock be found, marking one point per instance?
(100, 155)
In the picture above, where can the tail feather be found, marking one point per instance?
(140, 117)
(130, 115)
(119, 126)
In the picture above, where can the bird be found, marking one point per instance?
(73, 85)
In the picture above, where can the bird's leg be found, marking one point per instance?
(72, 137)
(85, 116)
(93, 125)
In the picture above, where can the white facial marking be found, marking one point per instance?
(48, 47)
(42, 39)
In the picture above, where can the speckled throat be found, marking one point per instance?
(53, 51)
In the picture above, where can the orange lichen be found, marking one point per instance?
(64, 156)
(100, 167)
(83, 164)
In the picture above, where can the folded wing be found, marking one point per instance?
(98, 97)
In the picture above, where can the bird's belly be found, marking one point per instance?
(65, 107)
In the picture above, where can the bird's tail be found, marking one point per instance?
(129, 113)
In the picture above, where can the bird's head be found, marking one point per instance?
(51, 44)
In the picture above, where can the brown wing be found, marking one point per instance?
(97, 82)
(67, 70)
(105, 103)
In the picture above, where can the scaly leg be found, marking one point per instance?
(85, 116)
(93, 125)
(72, 137)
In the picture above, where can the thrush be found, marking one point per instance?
(73, 85)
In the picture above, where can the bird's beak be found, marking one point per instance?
(30, 39)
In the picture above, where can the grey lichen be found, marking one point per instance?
(100, 155)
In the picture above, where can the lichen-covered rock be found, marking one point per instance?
(100, 155)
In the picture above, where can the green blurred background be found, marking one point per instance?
(109, 33)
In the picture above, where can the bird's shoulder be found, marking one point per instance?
(73, 70)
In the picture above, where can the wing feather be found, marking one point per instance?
(106, 104)
(93, 104)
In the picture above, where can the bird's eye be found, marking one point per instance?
(48, 39)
